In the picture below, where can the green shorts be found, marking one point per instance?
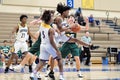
(69, 48)
(35, 49)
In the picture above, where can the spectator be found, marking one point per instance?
(4, 52)
(91, 20)
(5, 49)
(78, 12)
(86, 49)
(81, 20)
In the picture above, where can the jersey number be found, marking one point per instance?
(43, 34)
(23, 35)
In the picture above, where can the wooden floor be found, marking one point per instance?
(94, 72)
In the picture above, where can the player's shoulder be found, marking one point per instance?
(58, 18)
(19, 25)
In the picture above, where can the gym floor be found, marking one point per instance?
(94, 72)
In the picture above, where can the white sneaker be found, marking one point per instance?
(61, 77)
(4, 66)
(80, 75)
(32, 76)
(47, 72)
(17, 68)
(38, 75)
(35, 76)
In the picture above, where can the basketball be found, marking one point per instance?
(75, 27)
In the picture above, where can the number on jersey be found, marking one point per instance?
(43, 34)
(23, 35)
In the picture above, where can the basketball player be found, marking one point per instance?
(48, 46)
(69, 45)
(22, 31)
(71, 39)
(35, 49)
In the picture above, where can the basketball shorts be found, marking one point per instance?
(71, 48)
(23, 46)
(45, 51)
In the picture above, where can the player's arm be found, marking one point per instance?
(51, 37)
(12, 34)
(29, 32)
(36, 22)
(58, 22)
(78, 41)
(37, 35)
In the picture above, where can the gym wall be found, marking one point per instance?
(33, 7)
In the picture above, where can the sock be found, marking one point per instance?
(78, 70)
(51, 70)
(3, 63)
(61, 73)
(35, 72)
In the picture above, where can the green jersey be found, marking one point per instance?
(5, 49)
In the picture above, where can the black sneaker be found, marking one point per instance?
(51, 75)
(30, 68)
(6, 70)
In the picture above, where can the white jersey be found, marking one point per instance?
(44, 30)
(63, 37)
(22, 34)
(46, 49)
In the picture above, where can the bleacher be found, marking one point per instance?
(104, 36)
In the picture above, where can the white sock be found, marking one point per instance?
(3, 63)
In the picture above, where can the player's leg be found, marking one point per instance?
(64, 51)
(26, 59)
(52, 62)
(43, 58)
(17, 46)
(59, 60)
(76, 52)
(24, 49)
(35, 48)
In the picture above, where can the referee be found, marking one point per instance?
(86, 49)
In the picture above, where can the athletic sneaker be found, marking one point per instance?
(38, 76)
(51, 75)
(17, 68)
(4, 66)
(79, 74)
(35, 76)
(61, 77)
(6, 70)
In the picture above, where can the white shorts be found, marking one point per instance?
(23, 46)
(45, 51)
